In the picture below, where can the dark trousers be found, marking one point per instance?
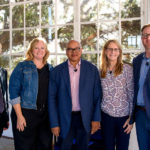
(37, 134)
(76, 132)
(142, 129)
(113, 132)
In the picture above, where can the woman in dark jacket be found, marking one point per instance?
(4, 119)
(28, 94)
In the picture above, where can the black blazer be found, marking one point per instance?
(4, 117)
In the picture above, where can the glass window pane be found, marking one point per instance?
(61, 59)
(90, 57)
(4, 2)
(4, 61)
(108, 9)
(89, 37)
(52, 60)
(4, 41)
(108, 31)
(17, 41)
(32, 14)
(131, 34)
(47, 13)
(15, 60)
(88, 10)
(30, 35)
(18, 0)
(65, 34)
(4, 17)
(18, 16)
(49, 35)
(65, 11)
(128, 57)
(130, 8)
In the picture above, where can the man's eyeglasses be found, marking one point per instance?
(73, 49)
(145, 36)
(113, 49)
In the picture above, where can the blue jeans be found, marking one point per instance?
(142, 129)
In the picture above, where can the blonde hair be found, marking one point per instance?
(29, 55)
(105, 62)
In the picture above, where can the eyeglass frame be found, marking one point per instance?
(113, 49)
(145, 36)
(73, 49)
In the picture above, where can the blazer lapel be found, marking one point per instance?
(139, 67)
(66, 77)
(82, 79)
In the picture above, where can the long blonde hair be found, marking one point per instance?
(105, 62)
(29, 55)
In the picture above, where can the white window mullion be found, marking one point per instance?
(24, 42)
(40, 17)
(56, 35)
(10, 35)
(76, 4)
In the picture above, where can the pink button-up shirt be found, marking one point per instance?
(74, 82)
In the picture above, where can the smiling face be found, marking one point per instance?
(146, 38)
(39, 50)
(112, 52)
(74, 52)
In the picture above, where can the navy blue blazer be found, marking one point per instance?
(59, 98)
(137, 61)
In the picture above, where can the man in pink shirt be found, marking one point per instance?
(74, 99)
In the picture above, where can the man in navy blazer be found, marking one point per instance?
(141, 111)
(74, 99)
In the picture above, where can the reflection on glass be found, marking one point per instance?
(47, 13)
(18, 16)
(4, 17)
(32, 14)
(4, 40)
(2, 2)
(4, 61)
(89, 37)
(49, 35)
(15, 60)
(30, 35)
(61, 59)
(109, 9)
(17, 41)
(108, 31)
(90, 57)
(65, 34)
(65, 11)
(130, 9)
(131, 34)
(88, 10)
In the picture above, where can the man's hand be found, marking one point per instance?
(95, 125)
(56, 131)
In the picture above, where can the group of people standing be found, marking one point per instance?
(74, 99)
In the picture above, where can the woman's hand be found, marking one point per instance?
(128, 127)
(21, 123)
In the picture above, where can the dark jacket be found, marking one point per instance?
(137, 61)
(60, 103)
(4, 117)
